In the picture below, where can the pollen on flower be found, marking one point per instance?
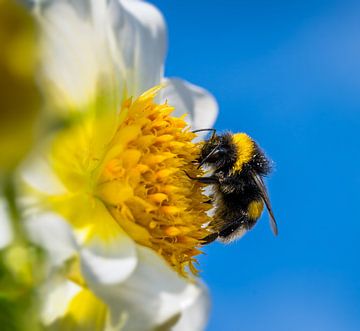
(150, 167)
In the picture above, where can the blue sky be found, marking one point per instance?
(287, 73)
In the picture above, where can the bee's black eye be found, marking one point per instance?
(218, 153)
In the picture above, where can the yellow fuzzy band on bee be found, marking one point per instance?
(255, 209)
(245, 150)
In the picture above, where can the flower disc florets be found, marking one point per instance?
(138, 176)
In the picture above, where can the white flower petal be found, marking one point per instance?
(72, 55)
(6, 233)
(97, 45)
(195, 316)
(140, 36)
(199, 104)
(54, 234)
(153, 295)
(104, 263)
(38, 174)
(69, 306)
(57, 296)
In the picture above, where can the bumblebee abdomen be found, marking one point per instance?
(255, 209)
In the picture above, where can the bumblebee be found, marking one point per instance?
(237, 166)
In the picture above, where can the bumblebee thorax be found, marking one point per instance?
(245, 147)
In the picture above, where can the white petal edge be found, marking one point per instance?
(57, 294)
(54, 234)
(111, 262)
(198, 103)
(118, 44)
(73, 53)
(140, 43)
(153, 295)
(102, 262)
(6, 233)
(37, 173)
(195, 317)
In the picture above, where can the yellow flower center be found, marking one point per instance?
(134, 165)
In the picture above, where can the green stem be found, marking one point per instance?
(9, 193)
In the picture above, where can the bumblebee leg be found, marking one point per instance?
(204, 180)
(210, 238)
(229, 230)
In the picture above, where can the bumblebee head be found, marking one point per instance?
(218, 152)
(233, 153)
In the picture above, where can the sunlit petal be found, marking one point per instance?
(77, 64)
(53, 233)
(152, 296)
(6, 232)
(58, 295)
(198, 103)
(140, 35)
(195, 316)
(38, 174)
(108, 262)
(119, 46)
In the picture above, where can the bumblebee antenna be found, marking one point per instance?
(200, 130)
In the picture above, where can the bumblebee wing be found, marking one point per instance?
(264, 195)
(273, 223)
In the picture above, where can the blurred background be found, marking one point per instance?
(287, 73)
